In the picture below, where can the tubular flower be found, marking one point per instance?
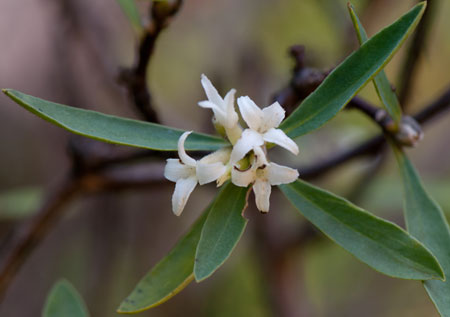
(186, 172)
(223, 109)
(262, 125)
(263, 175)
(233, 162)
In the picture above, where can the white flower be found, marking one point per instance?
(187, 172)
(262, 124)
(223, 109)
(263, 175)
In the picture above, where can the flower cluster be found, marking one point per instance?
(245, 162)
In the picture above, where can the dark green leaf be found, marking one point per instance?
(381, 244)
(426, 222)
(173, 273)
(341, 85)
(382, 85)
(113, 129)
(132, 13)
(64, 300)
(222, 230)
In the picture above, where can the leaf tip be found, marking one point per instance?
(200, 272)
(422, 5)
(122, 309)
(441, 274)
(199, 276)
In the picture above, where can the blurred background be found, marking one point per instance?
(71, 52)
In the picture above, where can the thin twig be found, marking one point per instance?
(35, 231)
(135, 79)
(373, 145)
(414, 52)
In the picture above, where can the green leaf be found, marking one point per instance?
(167, 278)
(113, 129)
(381, 244)
(341, 85)
(381, 82)
(426, 222)
(64, 300)
(222, 230)
(132, 13)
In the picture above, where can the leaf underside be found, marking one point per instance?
(426, 221)
(113, 129)
(381, 244)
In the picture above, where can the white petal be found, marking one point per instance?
(278, 174)
(209, 105)
(186, 159)
(278, 137)
(219, 113)
(260, 156)
(250, 112)
(183, 190)
(211, 92)
(207, 173)
(242, 178)
(231, 115)
(262, 191)
(272, 116)
(222, 155)
(174, 170)
(248, 140)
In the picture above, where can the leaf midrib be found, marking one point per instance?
(409, 261)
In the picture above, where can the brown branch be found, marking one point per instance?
(90, 173)
(135, 78)
(35, 231)
(304, 81)
(414, 52)
(438, 106)
(373, 145)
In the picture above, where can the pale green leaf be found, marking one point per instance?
(222, 230)
(113, 129)
(167, 278)
(426, 222)
(132, 12)
(381, 244)
(381, 82)
(344, 82)
(64, 300)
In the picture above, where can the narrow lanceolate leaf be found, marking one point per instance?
(381, 82)
(169, 276)
(132, 13)
(222, 230)
(426, 222)
(341, 85)
(113, 129)
(64, 300)
(381, 244)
